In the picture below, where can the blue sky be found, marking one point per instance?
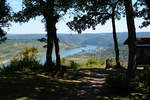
(35, 26)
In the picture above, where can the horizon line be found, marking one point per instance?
(69, 33)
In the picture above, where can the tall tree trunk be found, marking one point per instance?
(49, 43)
(58, 61)
(52, 35)
(2, 35)
(56, 42)
(115, 39)
(132, 39)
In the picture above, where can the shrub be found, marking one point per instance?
(29, 53)
(74, 65)
(141, 84)
(63, 60)
(27, 58)
(92, 61)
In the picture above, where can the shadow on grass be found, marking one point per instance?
(84, 84)
(94, 86)
(24, 86)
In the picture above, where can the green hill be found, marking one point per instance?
(11, 47)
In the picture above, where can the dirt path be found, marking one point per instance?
(92, 86)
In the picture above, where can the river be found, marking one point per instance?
(70, 52)
(64, 53)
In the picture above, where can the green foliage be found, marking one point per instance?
(141, 84)
(26, 59)
(142, 10)
(74, 65)
(5, 16)
(91, 61)
(29, 53)
(97, 12)
(33, 8)
(63, 61)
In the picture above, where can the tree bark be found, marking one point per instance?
(58, 61)
(115, 39)
(49, 43)
(56, 42)
(51, 21)
(131, 38)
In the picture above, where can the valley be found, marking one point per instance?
(70, 45)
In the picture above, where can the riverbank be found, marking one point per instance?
(11, 47)
(63, 53)
(71, 52)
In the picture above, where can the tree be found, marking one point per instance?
(148, 3)
(99, 12)
(142, 10)
(51, 10)
(5, 16)
(131, 39)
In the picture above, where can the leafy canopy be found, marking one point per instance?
(142, 10)
(33, 8)
(92, 12)
(5, 17)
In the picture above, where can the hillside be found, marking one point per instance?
(16, 42)
(11, 47)
(99, 39)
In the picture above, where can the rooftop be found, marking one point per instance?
(140, 41)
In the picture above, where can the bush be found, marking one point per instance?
(27, 58)
(29, 53)
(74, 65)
(141, 84)
(92, 61)
(63, 61)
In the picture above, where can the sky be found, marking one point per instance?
(34, 26)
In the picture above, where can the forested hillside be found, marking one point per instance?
(99, 39)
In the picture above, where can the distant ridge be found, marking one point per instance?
(99, 39)
(37, 36)
(25, 36)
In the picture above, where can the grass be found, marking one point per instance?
(90, 63)
(35, 85)
(81, 63)
(32, 86)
